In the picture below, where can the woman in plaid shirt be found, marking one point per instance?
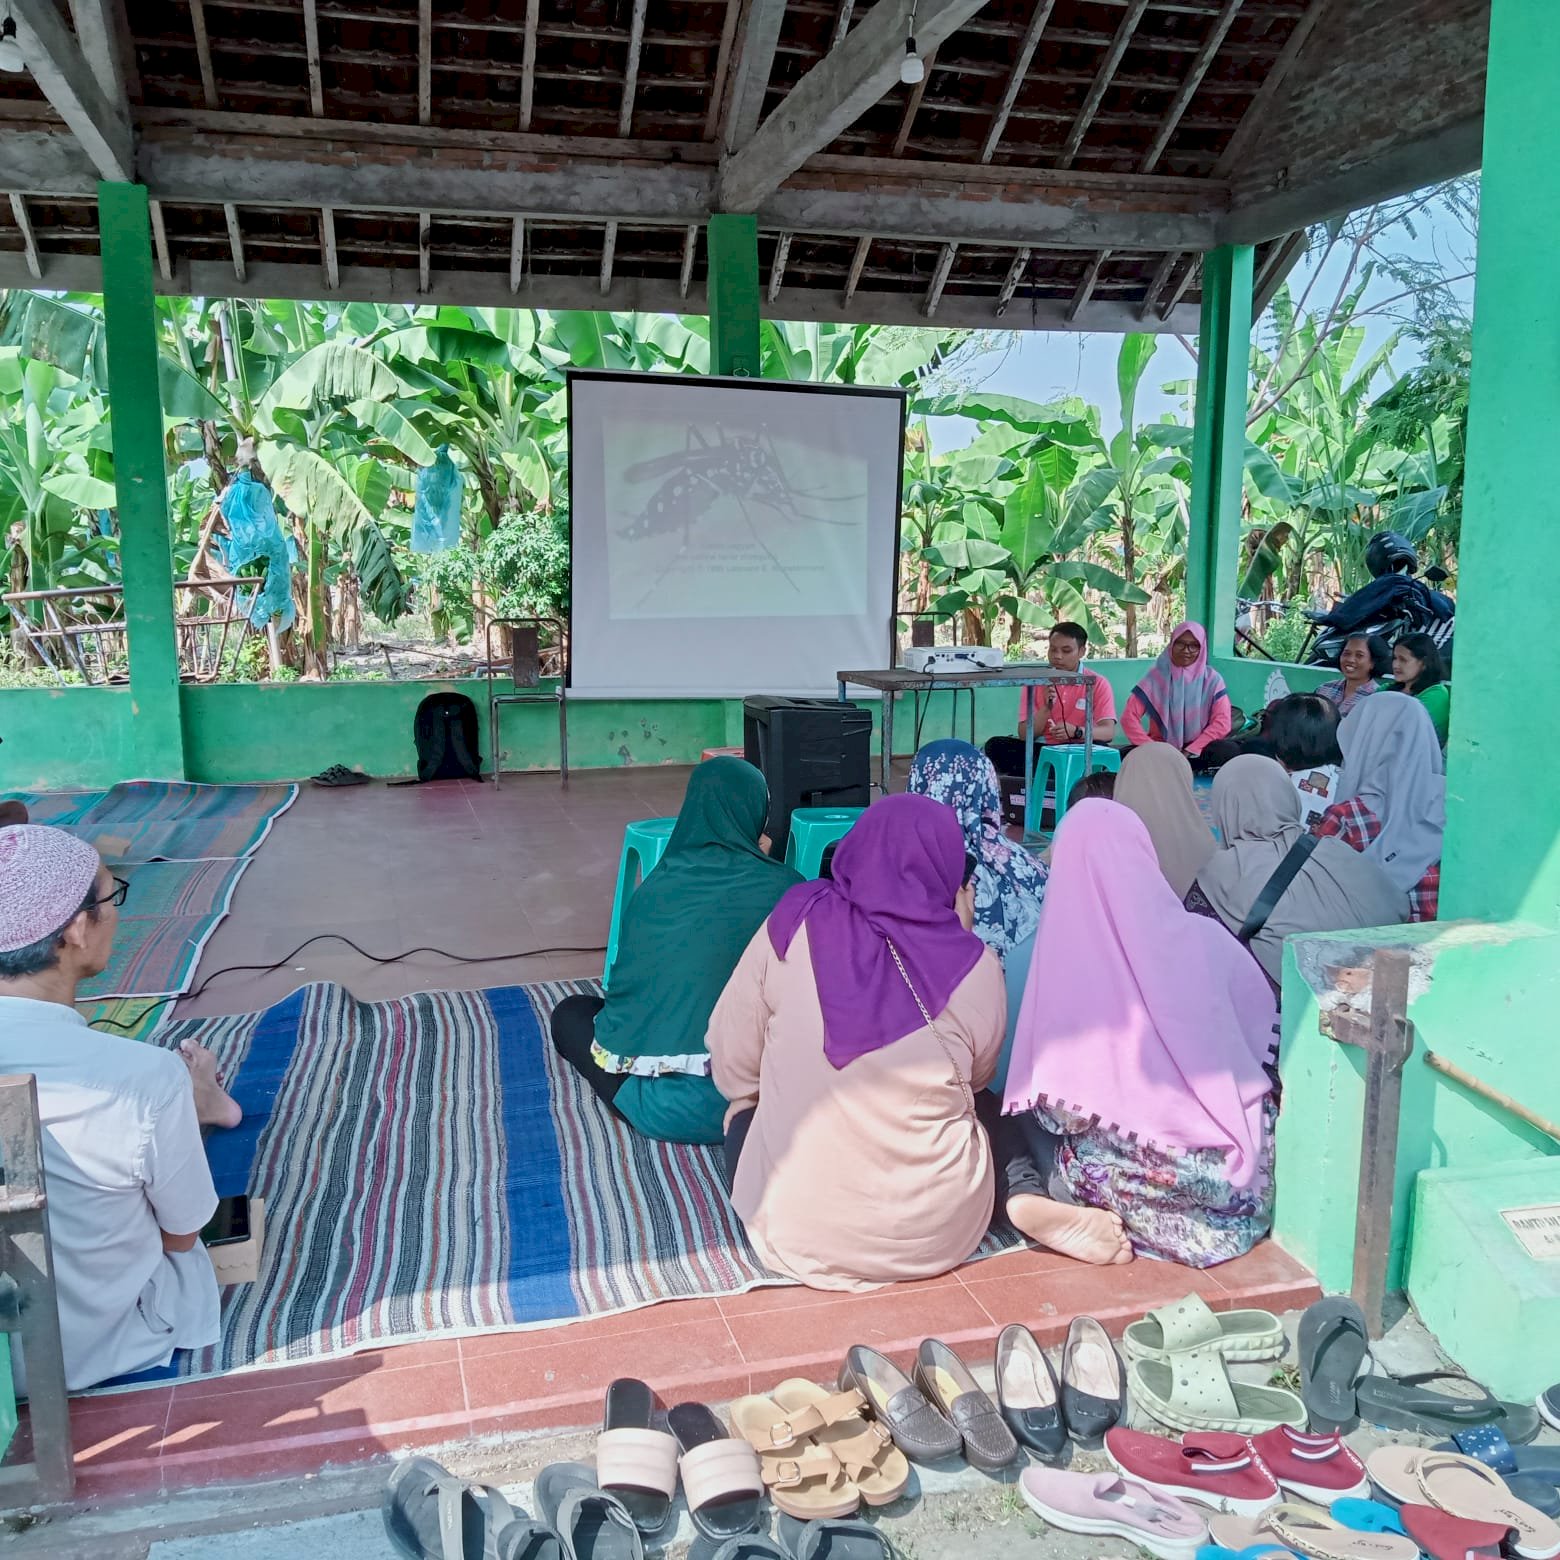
(1391, 803)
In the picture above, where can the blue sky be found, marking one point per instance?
(1045, 365)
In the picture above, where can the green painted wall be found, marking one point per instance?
(83, 737)
(1489, 1007)
(1502, 856)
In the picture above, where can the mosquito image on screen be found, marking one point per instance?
(744, 467)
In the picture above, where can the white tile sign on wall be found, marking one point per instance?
(1538, 1228)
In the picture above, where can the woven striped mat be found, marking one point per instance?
(429, 1169)
(166, 820)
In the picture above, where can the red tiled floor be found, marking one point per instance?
(528, 867)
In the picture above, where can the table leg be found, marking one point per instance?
(1030, 797)
(886, 757)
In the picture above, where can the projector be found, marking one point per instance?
(941, 659)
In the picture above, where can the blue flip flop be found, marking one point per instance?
(1252, 1552)
(1367, 1516)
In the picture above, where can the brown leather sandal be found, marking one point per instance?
(804, 1480)
(864, 1448)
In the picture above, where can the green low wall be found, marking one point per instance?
(80, 737)
(1483, 997)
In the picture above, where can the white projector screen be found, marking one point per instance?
(729, 536)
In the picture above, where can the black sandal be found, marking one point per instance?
(339, 775)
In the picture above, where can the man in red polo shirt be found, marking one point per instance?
(1060, 716)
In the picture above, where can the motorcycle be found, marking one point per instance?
(1393, 604)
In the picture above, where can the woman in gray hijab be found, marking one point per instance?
(1257, 813)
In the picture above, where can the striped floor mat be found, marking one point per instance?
(429, 1169)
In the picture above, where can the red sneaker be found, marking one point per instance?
(1443, 1536)
(1315, 1467)
(1209, 1466)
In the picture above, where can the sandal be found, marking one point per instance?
(1532, 1473)
(804, 1479)
(863, 1447)
(592, 1524)
(1308, 1530)
(527, 1539)
(1332, 1347)
(1405, 1403)
(339, 775)
(1413, 1476)
(721, 1477)
(1442, 1536)
(832, 1541)
(429, 1514)
(1366, 1516)
(1189, 1324)
(1193, 1391)
(635, 1462)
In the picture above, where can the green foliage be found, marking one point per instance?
(525, 564)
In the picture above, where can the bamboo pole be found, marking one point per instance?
(1494, 1096)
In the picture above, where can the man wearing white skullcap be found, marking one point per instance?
(129, 1188)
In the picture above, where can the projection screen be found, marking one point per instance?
(729, 536)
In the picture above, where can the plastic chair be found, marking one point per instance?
(644, 843)
(1064, 763)
(813, 831)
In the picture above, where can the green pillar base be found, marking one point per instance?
(1493, 1308)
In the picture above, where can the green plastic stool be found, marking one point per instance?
(813, 831)
(1064, 763)
(644, 843)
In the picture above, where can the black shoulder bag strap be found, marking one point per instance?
(1273, 890)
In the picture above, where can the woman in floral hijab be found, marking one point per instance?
(1009, 883)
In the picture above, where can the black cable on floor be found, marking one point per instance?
(373, 958)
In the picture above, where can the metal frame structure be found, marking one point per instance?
(524, 665)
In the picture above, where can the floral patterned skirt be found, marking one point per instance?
(1179, 1209)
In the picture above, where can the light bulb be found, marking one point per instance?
(10, 50)
(912, 69)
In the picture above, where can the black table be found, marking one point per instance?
(1014, 674)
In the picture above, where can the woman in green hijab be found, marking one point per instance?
(641, 1048)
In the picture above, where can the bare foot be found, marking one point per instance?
(1089, 1234)
(214, 1106)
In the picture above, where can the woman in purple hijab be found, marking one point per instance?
(851, 1041)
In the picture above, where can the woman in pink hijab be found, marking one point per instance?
(1181, 699)
(1144, 1045)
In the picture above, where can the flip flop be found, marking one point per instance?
(527, 1539)
(1190, 1324)
(634, 1461)
(429, 1514)
(592, 1524)
(1332, 1349)
(1406, 1403)
(1413, 1476)
(1194, 1392)
(748, 1546)
(1442, 1536)
(1256, 1552)
(1308, 1530)
(1548, 1405)
(721, 1477)
(832, 1540)
(1366, 1516)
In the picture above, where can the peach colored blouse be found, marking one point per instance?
(872, 1173)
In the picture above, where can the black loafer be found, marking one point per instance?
(895, 1401)
(1094, 1384)
(946, 1380)
(1029, 1394)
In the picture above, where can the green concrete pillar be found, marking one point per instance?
(140, 475)
(734, 295)
(1219, 444)
(1502, 854)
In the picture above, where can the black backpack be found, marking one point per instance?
(445, 731)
